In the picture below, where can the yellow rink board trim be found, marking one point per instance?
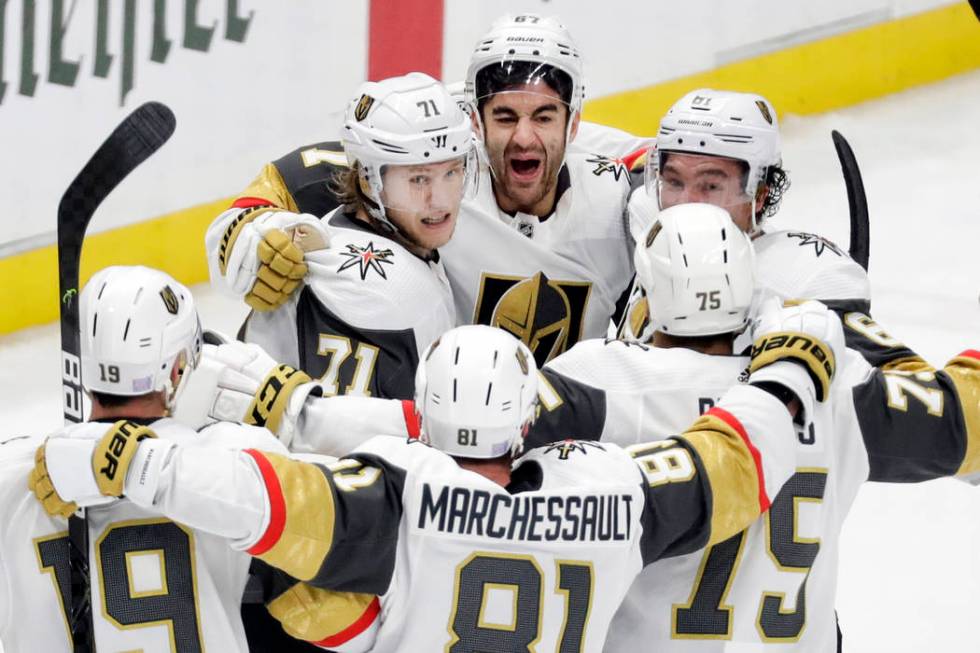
(810, 78)
(172, 242)
(822, 75)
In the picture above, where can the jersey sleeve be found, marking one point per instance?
(336, 527)
(716, 478)
(346, 622)
(334, 426)
(875, 344)
(921, 425)
(297, 182)
(568, 408)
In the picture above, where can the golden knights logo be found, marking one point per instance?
(605, 164)
(363, 107)
(820, 244)
(764, 110)
(367, 259)
(170, 300)
(565, 448)
(546, 315)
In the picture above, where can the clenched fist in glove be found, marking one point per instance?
(262, 253)
(62, 484)
(798, 347)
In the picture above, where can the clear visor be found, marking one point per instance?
(431, 190)
(529, 84)
(674, 178)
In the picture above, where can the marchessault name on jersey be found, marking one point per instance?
(595, 517)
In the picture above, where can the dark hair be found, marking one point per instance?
(107, 400)
(509, 74)
(777, 181)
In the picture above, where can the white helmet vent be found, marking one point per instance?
(126, 330)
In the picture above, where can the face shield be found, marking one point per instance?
(424, 193)
(674, 178)
(682, 178)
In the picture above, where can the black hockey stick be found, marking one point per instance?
(138, 136)
(857, 201)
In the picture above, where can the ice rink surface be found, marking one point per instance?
(910, 555)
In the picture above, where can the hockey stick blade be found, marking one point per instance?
(857, 201)
(138, 136)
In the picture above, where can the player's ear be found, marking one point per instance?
(574, 130)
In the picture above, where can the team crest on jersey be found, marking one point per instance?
(367, 259)
(363, 107)
(565, 448)
(605, 164)
(764, 110)
(170, 300)
(546, 315)
(820, 244)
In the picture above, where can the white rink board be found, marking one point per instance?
(241, 103)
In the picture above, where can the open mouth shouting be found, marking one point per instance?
(525, 167)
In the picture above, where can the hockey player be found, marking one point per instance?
(542, 250)
(775, 582)
(378, 295)
(467, 554)
(155, 585)
(723, 148)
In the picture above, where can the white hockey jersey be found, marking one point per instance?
(368, 309)
(464, 564)
(551, 281)
(156, 586)
(767, 584)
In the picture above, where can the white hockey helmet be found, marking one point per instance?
(407, 121)
(728, 124)
(697, 269)
(136, 324)
(476, 390)
(527, 38)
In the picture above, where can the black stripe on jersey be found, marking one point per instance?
(908, 444)
(308, 184)
(676, 517)
(876, 353)
(393, 376)
(580, 416)
(366, 523)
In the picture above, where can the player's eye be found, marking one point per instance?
(419, 180)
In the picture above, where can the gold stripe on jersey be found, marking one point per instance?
(269, 185)
(308, 504)
(313, 614)
(732, 474)
(233, 230)
(964, 370)
(910, 364)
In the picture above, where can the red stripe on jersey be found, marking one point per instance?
(363, 623)
(630, 159)
(277, 505)
(249, 202)
(971, 353)
(404, 35)
(733, 422)
(412, 423)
